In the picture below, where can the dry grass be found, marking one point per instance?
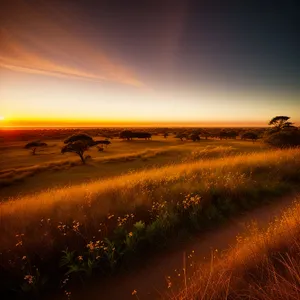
(40, 226)
(264, 264)
(10, 176)
(99, 198)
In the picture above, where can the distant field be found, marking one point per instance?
(20, 170)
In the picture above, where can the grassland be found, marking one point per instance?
(105, 224)
(264, 264)
(19, 168)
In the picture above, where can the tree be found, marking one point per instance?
(181, 136)
(33, 145)
(79, 144)
(79, 137)
(279, 122)
(206, 134)
(166, 135)
(195, 137)
(249, 135)
(126, 134)
(78, 147)
(232, 134)
(223, 134)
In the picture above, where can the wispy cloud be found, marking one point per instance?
(56, 50)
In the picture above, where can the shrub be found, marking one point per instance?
(284, 139)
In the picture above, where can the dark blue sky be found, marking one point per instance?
(253, 43)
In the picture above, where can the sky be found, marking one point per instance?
(148, 62)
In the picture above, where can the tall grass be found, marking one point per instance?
(118, 218)
(264, 264)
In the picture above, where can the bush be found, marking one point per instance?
(284, 139)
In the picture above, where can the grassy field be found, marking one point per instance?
(19, 169)
(148, 192)
(264, 264)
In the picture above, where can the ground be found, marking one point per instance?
(22, 173)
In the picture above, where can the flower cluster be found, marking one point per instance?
(123, 220)
(29, 279)
(75, 226)
(92, 246)
(189, 201)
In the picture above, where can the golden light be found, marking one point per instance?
(1, 118)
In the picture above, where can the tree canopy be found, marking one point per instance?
(78, 137)
(35, 144)
(279, 121)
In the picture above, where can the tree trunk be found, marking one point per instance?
(33, 151)
(81, 157)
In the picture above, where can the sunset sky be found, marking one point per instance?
(148, 62)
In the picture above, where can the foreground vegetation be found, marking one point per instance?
(66, 235)
(264, 264)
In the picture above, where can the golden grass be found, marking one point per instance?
(264, 264)
(127, 192)
(12, 175)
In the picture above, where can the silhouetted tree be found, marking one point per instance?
(195, 137)
(78, 137)
(129, 135)
(103, 142)
(166, 135)
(78, 147)
(231, 134)
(206, 134)
(223, 135)
(181, 136)
(79, 143)
(279, 122)
(249, 135)
(33, 145)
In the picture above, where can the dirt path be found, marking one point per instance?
(149, 281)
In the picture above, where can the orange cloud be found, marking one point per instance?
(54, 50)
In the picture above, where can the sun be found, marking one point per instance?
(1, 118)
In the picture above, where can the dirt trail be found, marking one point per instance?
(149, 280)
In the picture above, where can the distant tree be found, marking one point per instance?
(181, 136)
(231, 134)
(126, 134)
(279, 122)
(223, 135)
(206, 134)
(79, 143)
(103, 142)
(195, 137)
(166, 135)
(249, 135)
(33, 145)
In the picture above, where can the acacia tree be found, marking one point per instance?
(34, 145)
(78, 147)
(79, 137)
(79, 144)
(280, 122)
